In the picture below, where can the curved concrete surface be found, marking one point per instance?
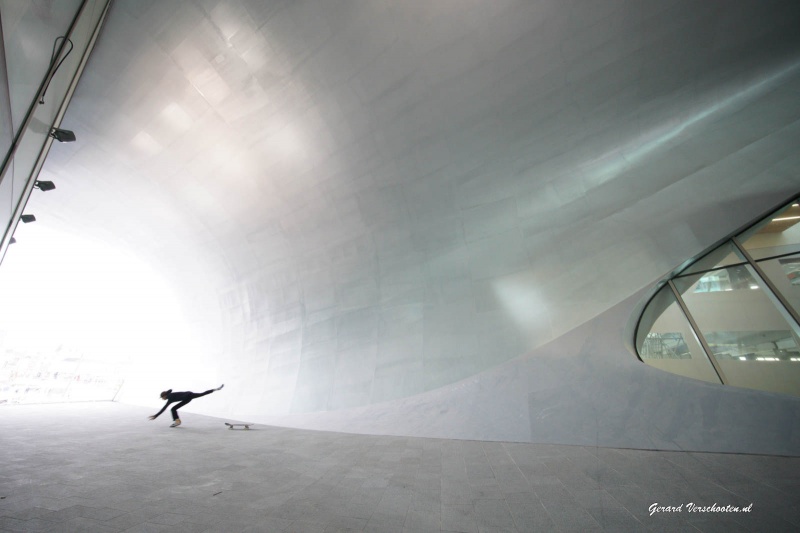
(350, 203)
(584, 388)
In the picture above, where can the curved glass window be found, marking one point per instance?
(669, 342)
(733, 316)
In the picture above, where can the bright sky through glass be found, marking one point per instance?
(60, 294)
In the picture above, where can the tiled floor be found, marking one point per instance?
(103, 467)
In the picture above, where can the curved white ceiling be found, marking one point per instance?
(358, 200)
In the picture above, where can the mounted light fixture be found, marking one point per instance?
(62, 136)
(44, 185)
(28, 218)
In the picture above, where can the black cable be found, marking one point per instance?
(52, 70)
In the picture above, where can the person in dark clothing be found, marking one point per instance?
(183, 398)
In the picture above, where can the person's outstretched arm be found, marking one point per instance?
(153, 417)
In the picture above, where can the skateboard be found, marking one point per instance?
(245, 424)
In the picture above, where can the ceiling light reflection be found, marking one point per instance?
(143, 142)
(176, 117)
(609, 165)
(521, 299)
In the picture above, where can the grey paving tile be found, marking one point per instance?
(96, 513)
(388, 520)
(487, 492)
(458, 518)
(22, 500)
(302, 526)
(578, 482)
(616, 519)
(192, 527)
(168, 519)
(765, 495)
(789, 513)
(148, 527)
(16, 524)
(25, 513)
(607, 476)
(456, 493)
(479, 471)
(84, 524)
(131, 519)
(789, 485)
(530, 515)
(595, 499)
(291, 480)
(555, 495)
(355, 509)
(536, 478)
(493, 514)
(761, 521)
(725, 524)
(571, 518)
(423, 520)
(381, 528)
(672, 527)
(343, 523)
(497, 454)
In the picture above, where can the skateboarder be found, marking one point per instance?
(183, 398)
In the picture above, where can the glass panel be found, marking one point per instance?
(784, 273)
(29, 30)
(777, 234)
(665, 340)
(6, 132)
(751, 340)
(15, 180)
(736, 277)
(725, 255)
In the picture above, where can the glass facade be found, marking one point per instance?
(732, 316)
(44, 47)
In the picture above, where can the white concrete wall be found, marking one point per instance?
(585, 388)
(361, 202)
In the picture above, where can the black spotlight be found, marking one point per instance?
(44, 185)
(62, 136)
(28, 218)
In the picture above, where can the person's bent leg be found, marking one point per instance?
(176, 421)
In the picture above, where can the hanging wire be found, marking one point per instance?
(52, 61)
